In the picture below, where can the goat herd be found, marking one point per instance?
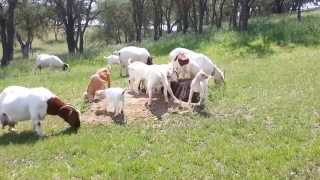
(185, 78)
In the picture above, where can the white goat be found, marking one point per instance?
(112, 59)
(130, 52)
(199, 84)
(136, 71)
(50, 61)
(194, 63)
(19, 104)
(114, 99)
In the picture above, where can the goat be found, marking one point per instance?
(97, 82)
(114, 99)
(131, 52)
(188, 63)
(20, 103)
(199, 84)
(50, 61)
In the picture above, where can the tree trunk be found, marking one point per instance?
(299, 10)
(194, 16)
(214, 13)
(69, 26)
(219, 19)
(5, 57)
(202, 10)
(156, 18)
(7, 33)
(138, 13)
(81, 42)
(167, 15)
(24, 46)
(234, 15)
(244, 15)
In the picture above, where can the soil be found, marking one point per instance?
(135, 109)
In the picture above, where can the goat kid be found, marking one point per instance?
(199, 85)
(114, 99)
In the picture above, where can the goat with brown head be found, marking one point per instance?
(67, 112)
(182, 59)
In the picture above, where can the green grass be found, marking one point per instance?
(263, 125)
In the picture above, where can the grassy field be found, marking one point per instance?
(265, 123)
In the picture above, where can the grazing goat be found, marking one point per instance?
(50, 61)
(188, 63)
(97, 82)
(199, 85)
(114, 99)
(19, 104)
(131, 52)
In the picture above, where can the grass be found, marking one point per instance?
(263, 125)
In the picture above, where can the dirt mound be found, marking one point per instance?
(135, 110)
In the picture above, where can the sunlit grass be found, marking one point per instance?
(263, 125)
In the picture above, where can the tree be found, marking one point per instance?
(157, 18)
(234, 15)
(7, 30)
(244, 14)
(117, 21)
(202, 10)
(184, 7)
(138, 17)
(214, 13)
(73, 13)
(32, 20)
(219, 18)
(194, 16)
(168, 6)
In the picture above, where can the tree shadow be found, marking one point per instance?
(190, 41)
(285, 29)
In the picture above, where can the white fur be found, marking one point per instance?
(114, 99)
(131, 52)
(199, 84)
(112, 59)
(153, 76)
(197, 62)
(49, 61)
(20, 104)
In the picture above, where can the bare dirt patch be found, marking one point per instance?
(135, 110)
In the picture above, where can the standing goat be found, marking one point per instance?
(199, 84)
(114, 99)
(188, 63)
(19, 104)
(131, 52)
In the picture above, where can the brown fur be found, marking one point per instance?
(182, 59)
(97, 82)
(69, 114)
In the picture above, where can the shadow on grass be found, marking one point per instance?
(25, 137)
(29, 137)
